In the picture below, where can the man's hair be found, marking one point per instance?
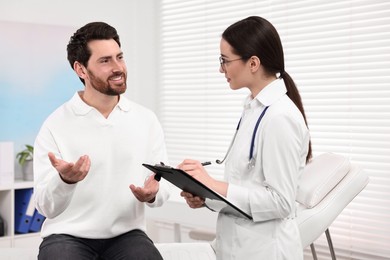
(78, 45)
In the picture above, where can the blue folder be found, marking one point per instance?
(24, 210)
(36, 222)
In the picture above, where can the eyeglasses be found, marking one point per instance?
(223, 61)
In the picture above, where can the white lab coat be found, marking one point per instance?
(267, 190)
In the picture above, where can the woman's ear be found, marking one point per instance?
(254, 63)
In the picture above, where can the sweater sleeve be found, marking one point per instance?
(51, 194)
(159, 154)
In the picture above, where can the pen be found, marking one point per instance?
(206, 163)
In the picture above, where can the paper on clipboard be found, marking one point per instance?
(187, 183)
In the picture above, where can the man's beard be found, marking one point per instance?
(105, 87)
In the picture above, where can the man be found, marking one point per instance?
(89, 179)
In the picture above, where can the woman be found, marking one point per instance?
(268, 153)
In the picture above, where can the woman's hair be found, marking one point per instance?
(78, 45)
(255, 36)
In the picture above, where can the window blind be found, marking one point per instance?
(338, 53)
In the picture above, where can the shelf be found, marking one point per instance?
(5, 242)
(30, 234)
(7, 212)
(18, 184)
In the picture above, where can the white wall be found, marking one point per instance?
(136, 23)
(134, 20)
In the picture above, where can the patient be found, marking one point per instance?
(89, 179)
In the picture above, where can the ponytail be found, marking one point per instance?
(293, 94)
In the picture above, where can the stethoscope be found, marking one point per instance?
(251, 162)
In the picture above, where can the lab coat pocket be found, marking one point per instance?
(260, 231)
(255, 239)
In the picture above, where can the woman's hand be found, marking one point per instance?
(196, 170)
(192, 201)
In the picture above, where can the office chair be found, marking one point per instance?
(327, 185)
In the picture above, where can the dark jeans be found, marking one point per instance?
(132, 245)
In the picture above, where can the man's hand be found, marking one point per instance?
(71, 172)
(148, 192)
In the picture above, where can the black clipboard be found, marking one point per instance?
(187, 183)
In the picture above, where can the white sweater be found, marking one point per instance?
(102, 205)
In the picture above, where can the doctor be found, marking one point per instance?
(268, 153)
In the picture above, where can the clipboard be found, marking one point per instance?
(187, 183)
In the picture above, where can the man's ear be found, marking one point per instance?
(254, 63)
(79, 69)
